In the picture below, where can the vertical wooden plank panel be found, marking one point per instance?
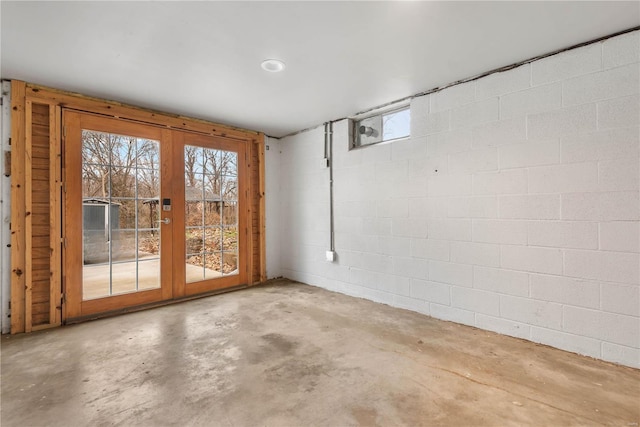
(28, 225)
(38, 227)
(261, 209)
(72, 251)
(18, 253)
(55, 211)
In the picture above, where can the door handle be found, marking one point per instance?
(165, 221)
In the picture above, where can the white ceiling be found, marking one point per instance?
(202, 59)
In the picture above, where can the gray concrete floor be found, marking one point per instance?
(287, 354)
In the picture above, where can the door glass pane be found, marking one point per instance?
(213, 239)
(147, 215)
(123, 182)
(213, 269)
(148, 183)
(211, 213)
(230, 262)
(120, 207)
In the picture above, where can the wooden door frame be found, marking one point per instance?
(21, 276)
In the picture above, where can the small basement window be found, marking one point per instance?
(382, 127)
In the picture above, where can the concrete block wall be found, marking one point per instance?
(514, 206)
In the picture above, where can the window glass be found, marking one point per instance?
(396, 125)
(382, 127)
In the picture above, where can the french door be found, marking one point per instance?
(210, 217)
(150, 214)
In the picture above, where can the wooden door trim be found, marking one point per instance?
(72, 215)
(18, 210)
(262, 222)
(100, 305)
(161, 303)
(55, 216)
(178, 261)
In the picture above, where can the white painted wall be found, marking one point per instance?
(272, 214)
(514, 207)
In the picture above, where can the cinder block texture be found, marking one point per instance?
(500, 132)
(602, 206)
(502, 182)
(619, 112)
(531, 153)
(563, 234)
(621, 50)
(452, 97)
(531, 312)
(531, 206)
(431, 291)
(619, 175)
(452, 274)
(470, 115)
(622, 299)
(621, 354)
(499, 231)
(566, 121)
(616, 143)
(501, 281)
(503, 326)
(566, 341)
(611, 327)
(623, 236)
(606, 266)
(529, 101)
(569, 64)
(513, 207)
(614, 83)
(472, 207)
(475, 300)
(505, 82)
(533, 259)
(565, 290)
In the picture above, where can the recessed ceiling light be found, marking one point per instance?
(272, 65)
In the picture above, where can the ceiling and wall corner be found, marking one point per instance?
(202, 59)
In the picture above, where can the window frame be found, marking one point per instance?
(355, 123)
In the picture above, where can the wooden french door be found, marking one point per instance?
(150, 214)
(210, 211)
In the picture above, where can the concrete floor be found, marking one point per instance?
(287, 354)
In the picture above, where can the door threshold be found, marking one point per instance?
(133, 309)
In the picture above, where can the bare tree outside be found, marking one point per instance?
(211, 209)
(122, 173)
